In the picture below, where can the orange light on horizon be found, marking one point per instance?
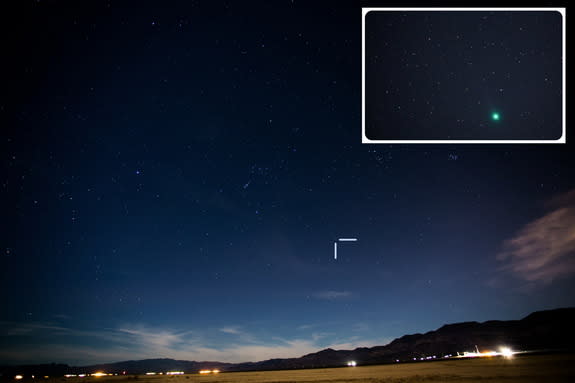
(203, 372)
(99, 374)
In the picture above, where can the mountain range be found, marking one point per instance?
(552, 330)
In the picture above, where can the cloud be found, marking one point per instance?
(133, 342)
(60, 353)
(33, 328)
(257, 352)
(543, 250)
(65, 344)
(307, 326)
(240, 334)
(85, 355)
(231, 330)
(155, 338)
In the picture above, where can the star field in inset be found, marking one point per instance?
(438, 75)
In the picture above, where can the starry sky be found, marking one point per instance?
(174, 178)
(448, 72)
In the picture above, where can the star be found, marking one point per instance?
(495, 116)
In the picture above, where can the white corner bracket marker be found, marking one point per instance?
(341, 240)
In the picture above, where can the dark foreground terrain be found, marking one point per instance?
(524, 369)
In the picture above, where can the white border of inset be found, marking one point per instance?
(560, 140)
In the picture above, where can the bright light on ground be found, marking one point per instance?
(209, 371)
(506, 352)
(352, 363)
(503, 351)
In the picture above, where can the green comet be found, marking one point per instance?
(495, 116)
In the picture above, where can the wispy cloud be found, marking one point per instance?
(161, 340)
(239, 333)
(231, 330)
(68, 345)
(332, 294)
(543, 250)
(34, 328)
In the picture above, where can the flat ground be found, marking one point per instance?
(524, 369)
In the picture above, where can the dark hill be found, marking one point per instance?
(544, 330)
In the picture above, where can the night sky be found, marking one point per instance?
(174, 178)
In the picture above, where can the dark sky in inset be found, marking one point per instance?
(442, 74)
(174, 178)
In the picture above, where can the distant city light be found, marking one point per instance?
(18, 377)
(175, 373)
(215, 371)
(352, 363)
(150, 373)
(70, 375)
(99, 374)
(82, 375)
